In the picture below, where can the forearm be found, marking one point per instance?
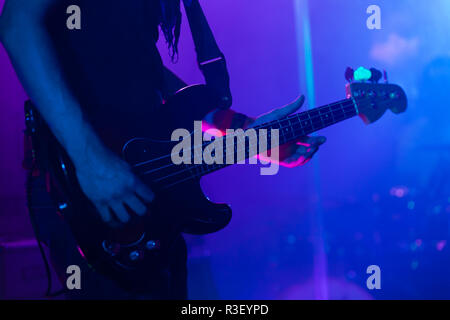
(32, 56)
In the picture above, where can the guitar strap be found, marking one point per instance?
(210, 59)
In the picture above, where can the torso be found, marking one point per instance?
(112, 63)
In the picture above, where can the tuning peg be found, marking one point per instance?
(362, 74)
(349, 74)
(385, 76)
(376, 75)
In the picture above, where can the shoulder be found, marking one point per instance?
(13, 9)
(29, 10)
(23, 15)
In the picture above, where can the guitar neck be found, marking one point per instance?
(290, 129)
(369, 100)
(298, 125)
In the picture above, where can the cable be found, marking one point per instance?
(31, 166)
(29, 190)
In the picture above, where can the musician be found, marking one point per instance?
(88, 84)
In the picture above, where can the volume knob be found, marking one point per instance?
(152, 244)
(135, 255)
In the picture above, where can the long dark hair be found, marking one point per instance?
(170, 23)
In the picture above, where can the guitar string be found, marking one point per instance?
(213, 167)
(188, 178)
(239, 149)
(209, 168)
(310, 120)
(205, 168)
(267, 124)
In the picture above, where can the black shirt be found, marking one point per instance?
(112, 64)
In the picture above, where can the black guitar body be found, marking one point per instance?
(125, 253)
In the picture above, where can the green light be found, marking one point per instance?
(362, 74)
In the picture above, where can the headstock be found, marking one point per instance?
(373, 98)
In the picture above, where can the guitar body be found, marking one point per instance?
(128, 252)
(125, 252)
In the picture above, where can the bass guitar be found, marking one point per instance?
(179, 205)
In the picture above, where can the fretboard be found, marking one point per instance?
(290, 129)
(293, 127)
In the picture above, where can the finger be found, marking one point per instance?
(288, 109)
(305, 161)
(302, 155)
(281, 112)
(291, 108)
(135, 205)
(301, 150)
(317, 141)
(297, 152)
(312, 141)
(144, 192)
(295, 161)
(311, 153)
(120, 211)
(104, 212)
